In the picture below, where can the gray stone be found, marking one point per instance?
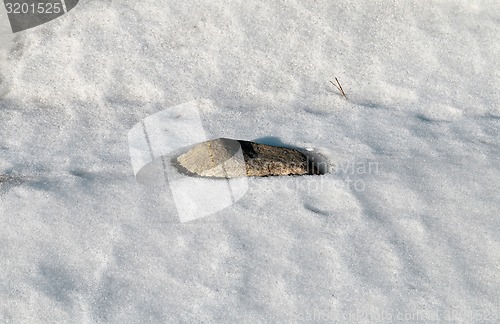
(229, 158)
(219, 158)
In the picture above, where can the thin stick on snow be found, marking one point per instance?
(339, 87)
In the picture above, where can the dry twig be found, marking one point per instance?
(339, 87)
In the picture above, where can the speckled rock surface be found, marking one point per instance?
(229, 158)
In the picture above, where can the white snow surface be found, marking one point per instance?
(405, 226)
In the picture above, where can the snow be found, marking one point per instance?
(403, 227)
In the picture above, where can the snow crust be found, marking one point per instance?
(403, 227)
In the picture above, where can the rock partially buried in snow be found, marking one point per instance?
(229, 158)
(219, 158)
